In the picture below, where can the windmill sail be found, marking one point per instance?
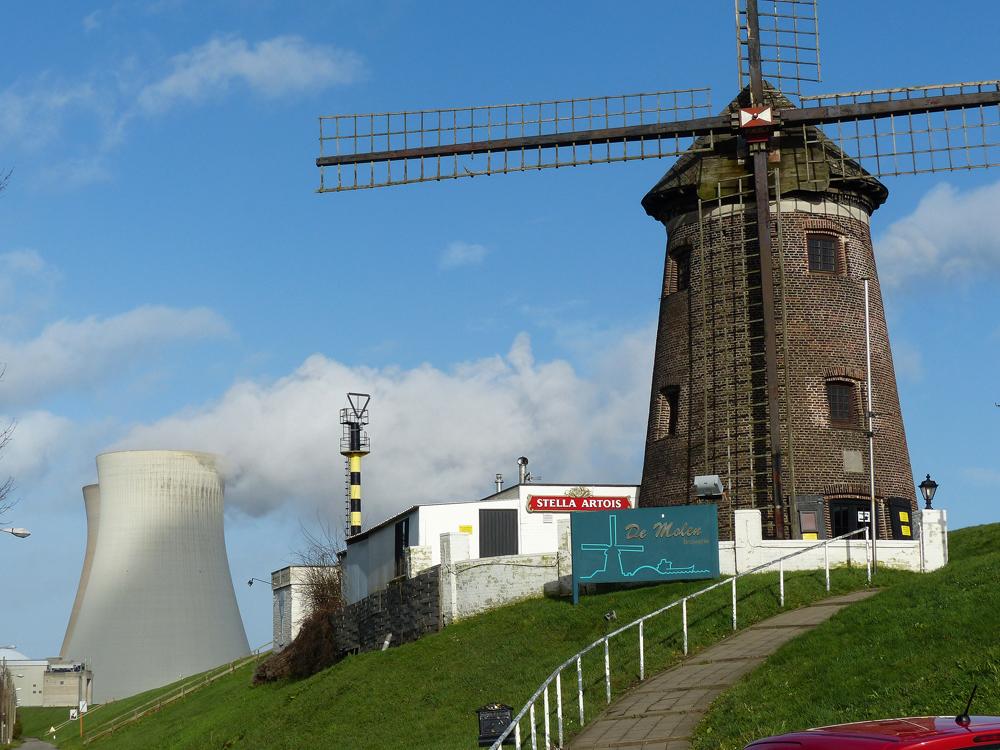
(394, 148)
(907, 130)
(789, 42)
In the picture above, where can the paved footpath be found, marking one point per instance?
(662, 712)
(31, 743)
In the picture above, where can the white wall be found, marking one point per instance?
(928, 552)
(471, 586)
(370, 562)
(29, 676)
(289, 592)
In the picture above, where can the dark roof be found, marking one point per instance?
(712, 160)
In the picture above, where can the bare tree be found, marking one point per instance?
(7, 487)
(324, 582)
(315, 647)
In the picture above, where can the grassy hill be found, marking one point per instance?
(424, 694)
(915, 649)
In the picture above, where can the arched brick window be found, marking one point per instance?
(841, 398)
(667, 411)
(681, 274)
(824, 253)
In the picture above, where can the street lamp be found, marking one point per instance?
(927, 488)
(18, 532)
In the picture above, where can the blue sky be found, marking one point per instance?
(170, 279)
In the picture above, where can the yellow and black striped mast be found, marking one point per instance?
(354, 444)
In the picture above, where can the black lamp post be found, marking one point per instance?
(927, 488)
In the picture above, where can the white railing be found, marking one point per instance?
(556, 676)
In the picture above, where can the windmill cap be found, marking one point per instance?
(712, 163)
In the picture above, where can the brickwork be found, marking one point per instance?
(710, 346)
(824, 314)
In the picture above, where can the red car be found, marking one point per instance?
(924, 732)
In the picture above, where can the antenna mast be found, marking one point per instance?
(354, 444)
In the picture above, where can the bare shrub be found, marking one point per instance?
(314, 647)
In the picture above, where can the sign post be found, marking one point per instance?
(677, 543)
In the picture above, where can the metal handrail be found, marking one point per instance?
(137, 712)
(543, 690)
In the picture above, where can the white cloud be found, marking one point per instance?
(90, 22)
(436, 435)
(273, 67)
(36, 114)
(38, 443)
(982, 476)
(78, 355)
(27, 287)
(461, 254)
(35, 117)
(907, 360)
(951, 234)
(72, 174)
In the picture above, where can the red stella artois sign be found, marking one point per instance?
(557, 503)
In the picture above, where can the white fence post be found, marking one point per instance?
(826, 563)
(607, 669)
(559, 707)
(579, 685)
(642, 654)
(684, 615)
(868, 558)
(548, 740)
(781, 580)
(734, 602)
(534, 737)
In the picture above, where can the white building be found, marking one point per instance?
(157, 603)
(47, 682)
(289, 590)
(520, 520)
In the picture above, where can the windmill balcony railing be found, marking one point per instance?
(542, 693)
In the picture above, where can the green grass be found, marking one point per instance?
(916, 649)
(36, 721)
(425, 694)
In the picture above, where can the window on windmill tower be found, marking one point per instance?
(840, 396)
(667, 407)
(822, 250)
(682, 260)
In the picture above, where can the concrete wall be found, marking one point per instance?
(29, 676)
(159, 604)
(929, 552)
(472, 586)
(68, 687)
(92, 504)
(289, 591)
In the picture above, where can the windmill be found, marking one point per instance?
(738, 205)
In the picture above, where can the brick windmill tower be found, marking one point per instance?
(770, 296)
(709, 404)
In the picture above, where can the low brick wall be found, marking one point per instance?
(408, 610)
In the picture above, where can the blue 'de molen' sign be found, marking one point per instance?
(676, 543)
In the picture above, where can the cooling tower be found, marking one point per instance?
(92, 502)
(159, 602)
